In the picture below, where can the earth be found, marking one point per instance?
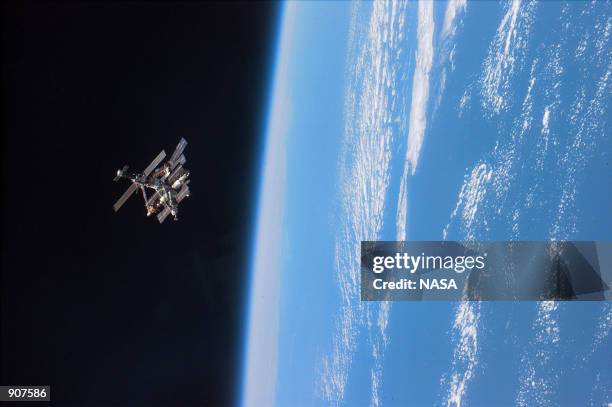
(428, 121)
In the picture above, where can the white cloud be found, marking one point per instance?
(505, 51)
(467, 314)
(602, 330)
(447, 48)
(465, 355)
(453, 9)
(418, 110)
(471, 196)
(545, 119)
(420, 82)
(364, 177)
(536, 389)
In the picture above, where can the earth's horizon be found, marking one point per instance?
(428, 121)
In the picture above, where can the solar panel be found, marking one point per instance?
(163, 214)
(126, 195)
(184, 192)
(178, 171)
(179, 150)
(181, 160)
(155, 163)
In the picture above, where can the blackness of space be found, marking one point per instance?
(116, 309)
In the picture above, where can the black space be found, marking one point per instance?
(116, 309)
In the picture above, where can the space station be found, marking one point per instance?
(167, 183)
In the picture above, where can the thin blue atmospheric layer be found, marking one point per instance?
(257, 207)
